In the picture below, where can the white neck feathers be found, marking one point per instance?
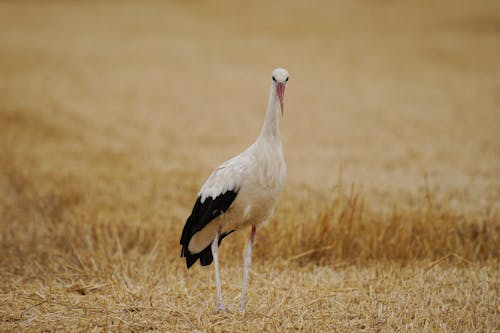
(270, 130)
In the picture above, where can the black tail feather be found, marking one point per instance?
(203, 213)
(205, 256)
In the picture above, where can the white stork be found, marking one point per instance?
(241, 192)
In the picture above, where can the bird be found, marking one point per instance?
(240, 193)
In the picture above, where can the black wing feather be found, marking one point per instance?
(202, 214)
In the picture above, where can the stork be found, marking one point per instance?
(241, 192)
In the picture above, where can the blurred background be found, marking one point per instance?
(381, 92)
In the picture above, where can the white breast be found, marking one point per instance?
(260, 189)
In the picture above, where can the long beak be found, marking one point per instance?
(281, 93)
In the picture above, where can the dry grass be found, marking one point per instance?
(106, 135)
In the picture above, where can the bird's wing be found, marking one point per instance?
(215, 198)
(227, 177)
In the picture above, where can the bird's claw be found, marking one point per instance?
(219, 307)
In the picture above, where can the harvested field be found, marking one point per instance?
(113, 114)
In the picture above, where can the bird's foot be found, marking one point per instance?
(219, 307)
(242, 307)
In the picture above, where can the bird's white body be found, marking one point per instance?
(259, 175)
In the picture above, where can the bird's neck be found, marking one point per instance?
(271, 130)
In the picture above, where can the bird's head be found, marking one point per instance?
(280, 78)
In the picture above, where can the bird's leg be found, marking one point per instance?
(246, 266)
(219, 304)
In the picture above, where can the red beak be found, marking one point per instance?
(281, 93)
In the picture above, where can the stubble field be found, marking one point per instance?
(113, 114)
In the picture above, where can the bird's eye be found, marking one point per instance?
(286, 79)
(274, 79)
